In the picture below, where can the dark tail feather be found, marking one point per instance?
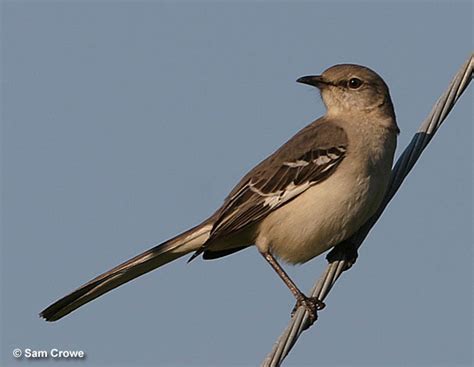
(139, 265)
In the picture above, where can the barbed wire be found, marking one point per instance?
(299, 321)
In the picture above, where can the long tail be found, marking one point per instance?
(170, 250)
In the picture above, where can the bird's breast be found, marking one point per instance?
(328, 212)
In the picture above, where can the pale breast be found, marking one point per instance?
(331, 211)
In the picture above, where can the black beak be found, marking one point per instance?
(315, 80)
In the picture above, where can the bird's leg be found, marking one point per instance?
(312, 304)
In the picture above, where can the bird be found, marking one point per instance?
(310, 195)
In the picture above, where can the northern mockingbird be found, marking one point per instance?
(312, 194)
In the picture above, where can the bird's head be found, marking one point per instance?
(347, 88)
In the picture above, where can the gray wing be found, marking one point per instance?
(308, 158)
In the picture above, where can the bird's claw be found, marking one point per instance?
(312, 305)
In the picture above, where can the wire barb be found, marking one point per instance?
(407, 160)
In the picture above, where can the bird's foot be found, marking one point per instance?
(346, 251)
(312, 305)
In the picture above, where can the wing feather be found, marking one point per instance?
(262, 197)
(310, 157)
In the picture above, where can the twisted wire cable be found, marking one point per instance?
(405, 163)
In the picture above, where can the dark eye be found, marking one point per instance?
(354, 83)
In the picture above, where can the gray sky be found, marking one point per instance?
(124, 123)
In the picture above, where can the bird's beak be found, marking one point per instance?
(317, 81)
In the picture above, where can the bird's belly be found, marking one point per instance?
(320, 218)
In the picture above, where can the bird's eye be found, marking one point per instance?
(354, 83)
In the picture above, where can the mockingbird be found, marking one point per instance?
(312, 194)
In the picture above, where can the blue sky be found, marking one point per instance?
(124, 123)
